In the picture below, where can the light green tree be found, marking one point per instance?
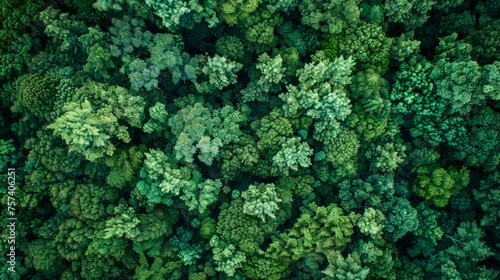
(261, 200)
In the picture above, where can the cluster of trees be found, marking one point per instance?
(254, 139)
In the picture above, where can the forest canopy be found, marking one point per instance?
(250, 139)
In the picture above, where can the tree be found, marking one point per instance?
(161, 181)
(221, 73)
(385, 158)
(198, 129)
(272, 73)
(166, 54)
(89, 201)
(99, 58)
(64, 30)
(457, 82)
(116, 5)
(321, 93)
(72, 238)
(231, 47)
(491, 76)
(460, 256)
(124, 224)
(345, 268)
(158, 120)
(240, 157)
(15, 15)
(261, 200)
(480, 32)
(301, 186)
(487, 196)
(43, 257)
(411, 13)
(437, 184)
(322, 230)
(367, 44)
(227, 258)
(189, 253)
(404, 46)
(272, 130)
(292, 154)
(260, 30)
(124, 165)
(330, 17)
(431, 119)
(342, 148)
(242, 230)
(127, 34)
(234, 11)
(175, 14)
(15, 61)
(37, 93)
(479, 146)
(371, 223)
(88, 130)
(428, 232)
(377, 192)
(99, 62)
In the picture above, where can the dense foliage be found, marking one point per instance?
(250, 139)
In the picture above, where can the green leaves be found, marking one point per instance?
(162, 182)
(322, 230)
(491, 76)
(385, 158)
(371, 223)
(90, 130)
(99, 62)
(429, 231)
(123, 224)
(174, 12)
(84, 130)
(234, 11)
(437, 184)
(221, 71)
(293, 154)
(272, 73)
(227, 258)
(43, 257)
(342, 148)
(260, 155)
(368, 46)
(410, 12)
(199, 130)
(36, 92)
(240, 229)
(345, 268)
(64, 30)
(321, 92)
(330, 17)
(158, 121)
(457, 82)
(166, 55)
(261, 200)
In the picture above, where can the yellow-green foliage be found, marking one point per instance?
(437, 184)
